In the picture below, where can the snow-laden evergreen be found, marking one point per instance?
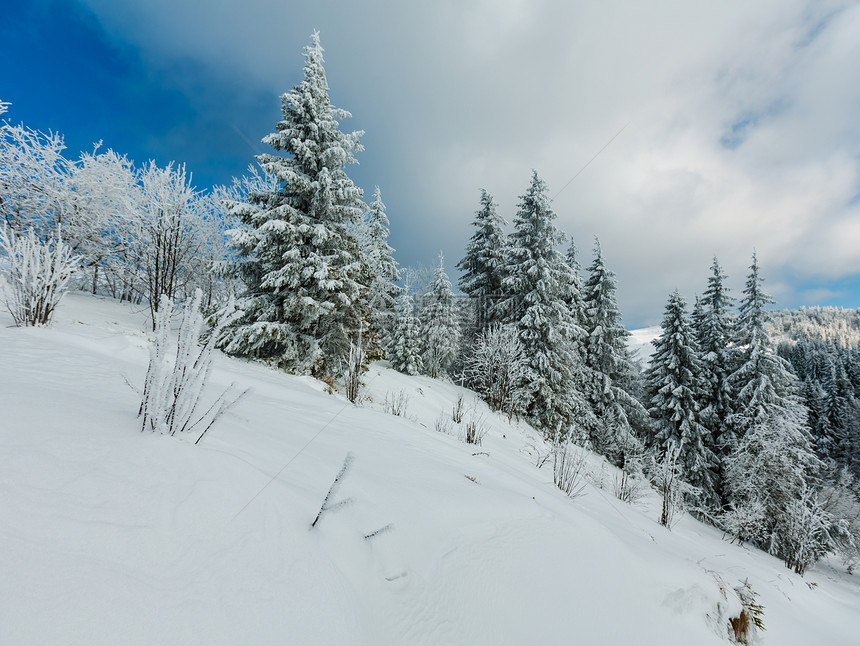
(675, 389)
(440, 329)
(404, 352)
(772, 462)
(484, 264)
(383, 290)
(763, 383)
(535, 288)
(714, 333)
(611, 372)
(302, 265)
(831, 391)
(574, 295)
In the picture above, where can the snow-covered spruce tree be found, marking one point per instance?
(405, 350)
(574, 297)
(674, 387)
(838, 406)
(772, 462)
(38, 272)
(302, 266)
(714, 333)
(535, 289)
(440, 329)
(763, 382)
(383, 291)
(483, 266)
(611, 372)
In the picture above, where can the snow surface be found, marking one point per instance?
(112, 536)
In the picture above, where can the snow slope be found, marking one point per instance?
(110, 535)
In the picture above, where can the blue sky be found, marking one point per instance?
(743, 131)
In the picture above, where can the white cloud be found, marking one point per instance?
(743, 131)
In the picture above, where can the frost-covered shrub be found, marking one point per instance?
(38, 272)
(840, 499)
(667, 476)
(177, 372)
(629, 480)
(475, 429)
(443, 424)
(805, 534)
(396, 404)
(745, 521)
(499, 370)
(568, 468)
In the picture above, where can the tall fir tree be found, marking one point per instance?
(301, 264)
(611, 372)
(714, 332)
(535, 287)
(675, 390)
(772, 462)
(762, 379)
(483, 266)
(574, 297)
(384, 274)
(440, 329)
(405, 350)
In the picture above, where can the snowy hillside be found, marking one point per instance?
(113, 536)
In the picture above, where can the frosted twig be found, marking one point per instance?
(334, 487)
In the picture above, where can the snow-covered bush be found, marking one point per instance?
(177, 372)
(667, 476)
(395, 404)
(38, 272)
(476, 429)
(744, 521)
(805, 535)
(568, 468)
(443, 424)
(840, 499)
(629, 480)
(498, 370)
